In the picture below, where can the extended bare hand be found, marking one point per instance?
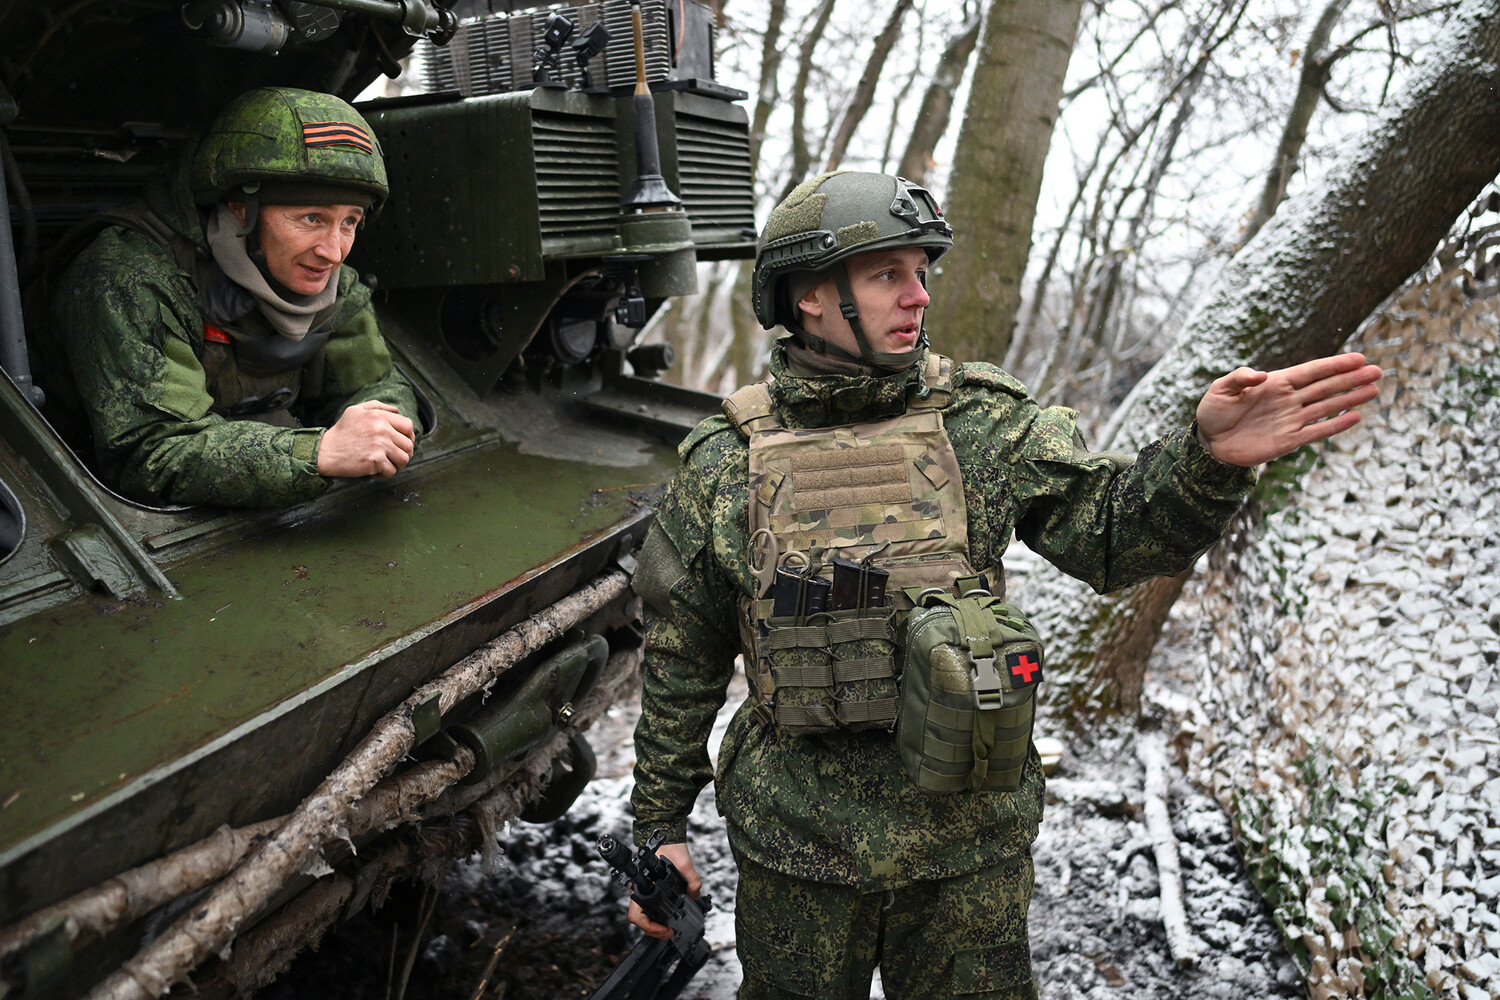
(1249, 417)
(678, 855)
(370, 439)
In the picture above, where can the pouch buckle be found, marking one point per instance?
(988, 692)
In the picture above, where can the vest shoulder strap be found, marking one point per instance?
(991, 377)
(750, 409)
(937, 384)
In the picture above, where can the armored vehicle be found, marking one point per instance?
(222, 729)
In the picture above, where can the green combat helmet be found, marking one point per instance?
(294, 140)
(828, 219)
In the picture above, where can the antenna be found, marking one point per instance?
(650, 192)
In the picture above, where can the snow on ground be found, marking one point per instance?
(1096, 927)
(1349, 683)
(546, 906)
(1345, 716)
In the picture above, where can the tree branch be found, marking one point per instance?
(937, 103)
(770, 66)
(802, 158)
(864, 92)
(1317, 67)
(1310, 277)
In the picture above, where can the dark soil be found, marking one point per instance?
(545, 944)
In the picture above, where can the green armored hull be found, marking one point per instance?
(136, 725)
(167, 673)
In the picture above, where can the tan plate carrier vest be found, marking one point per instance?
(849, 490)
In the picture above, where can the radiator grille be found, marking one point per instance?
(577, 177)
(713, 160)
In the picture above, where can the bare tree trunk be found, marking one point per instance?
(1016, 351)
(900, 102)
(997, 172)
(1325, 261)
(1317, 66)
(864, 93)
(1329, 258)
(1129, 625)
(732, 322)
(802, 158)
(770, 65)
(937, 103)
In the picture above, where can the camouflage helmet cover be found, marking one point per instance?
(283, 134)
(831, 217)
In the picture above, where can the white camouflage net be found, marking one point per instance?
(1350, 684)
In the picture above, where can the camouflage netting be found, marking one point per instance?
(1350, 689)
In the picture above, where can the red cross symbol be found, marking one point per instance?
(1022, 666)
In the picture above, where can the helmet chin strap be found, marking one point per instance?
(251, 196)
(867, 354)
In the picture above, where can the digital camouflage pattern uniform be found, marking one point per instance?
(838, 811)
(131, 323)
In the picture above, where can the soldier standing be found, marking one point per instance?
(222, 353)
(868, 450)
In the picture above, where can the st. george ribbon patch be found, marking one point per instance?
(336, 134)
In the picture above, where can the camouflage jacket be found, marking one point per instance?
(840, 808)
(132, 328)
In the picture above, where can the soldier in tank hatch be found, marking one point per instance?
(864, 838)
(221, 350)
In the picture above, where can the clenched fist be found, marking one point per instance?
(370, 439)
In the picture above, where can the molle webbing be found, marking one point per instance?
(849, 478)
(889, 490)
(971, 667)
(836, 671)
(824, 672)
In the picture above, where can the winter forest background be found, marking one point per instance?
(1147, 194)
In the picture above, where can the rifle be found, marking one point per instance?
(654, 969)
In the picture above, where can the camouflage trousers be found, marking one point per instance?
(958, 937)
